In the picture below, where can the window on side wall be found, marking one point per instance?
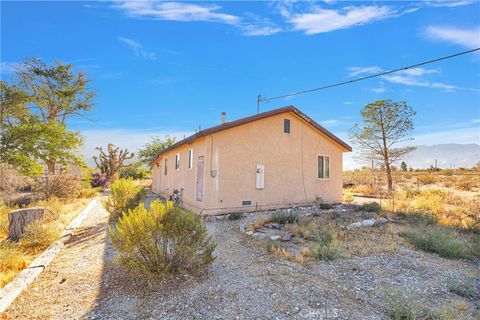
(190, 158)
(323, 167)
(177, 161)
(286, 125)
(165, 169)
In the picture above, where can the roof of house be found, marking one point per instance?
(239, 122)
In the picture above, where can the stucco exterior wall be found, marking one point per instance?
(231, 157)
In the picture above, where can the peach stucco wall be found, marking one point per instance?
(290, 161)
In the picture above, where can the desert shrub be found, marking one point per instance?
(88, 192)
(426, 179)
(235, 216)
(465, 288)
(370, 207)
(348, 197)
(12, 260)
(99, 180)
(3, 220)
(39, 235)
(53, 209)
(417, 218)
(324, 246)
(63, 186)
(163, 240)
(135, 171)
(402, 307)
(125, 195)
(363, 189)
(284, 218)
(274, 247)
(439, 240)
(325, 206)
(465, 183)
(305, 229)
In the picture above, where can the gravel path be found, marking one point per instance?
(244, 282)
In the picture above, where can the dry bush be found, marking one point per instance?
(62, 186)
(3, 220)
(12, 261)
(363, 189)
(426, 179)
(348, 197)
(368, 241)
(39, 235)
(10, 183)
(466, 183)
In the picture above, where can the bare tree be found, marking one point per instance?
(386, 124)
(112, 162)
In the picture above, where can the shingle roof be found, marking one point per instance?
(239, 122)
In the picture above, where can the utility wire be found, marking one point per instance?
(264, 99)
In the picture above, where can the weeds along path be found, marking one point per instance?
(68, 288)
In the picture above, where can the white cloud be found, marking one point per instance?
(326, 20)
(259, 30)
(469, 38)
(378, 90)
(137, 48)
(448, 3)
(176, 11)
(355, 71)
(347, 102)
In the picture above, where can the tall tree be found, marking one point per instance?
(386, 124)
(112, 161)
(55, 93)
(153, 147)
(403, 166)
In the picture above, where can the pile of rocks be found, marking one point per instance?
(368, 223)
(272, 231)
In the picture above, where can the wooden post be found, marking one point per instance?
(20, 219)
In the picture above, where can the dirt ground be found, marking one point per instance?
(244, 282)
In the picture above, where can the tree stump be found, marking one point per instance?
(20, 219)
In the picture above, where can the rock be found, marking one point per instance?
(272, 225)
(260, 235)
(242, 228)
(249, 233)
(381, 220)
(274, 238)
(287, 236)
(354, 225)
(368, 222)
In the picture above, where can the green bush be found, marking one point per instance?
(284, 218)
(124, 195)
(402, 307)
(163, 240)
(324, 246)
(135, 171)
(462, 288)
(370, 207)
(439, 240)
(235, 216)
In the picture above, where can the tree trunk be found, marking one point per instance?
(50, 167)
(389, 176)
(20, 219)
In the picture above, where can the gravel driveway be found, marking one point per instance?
(244, 282)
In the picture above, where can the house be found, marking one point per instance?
(274, 159)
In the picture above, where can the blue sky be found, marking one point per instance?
(169, 67)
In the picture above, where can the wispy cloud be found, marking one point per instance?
(378, 89)
(469, 38)
(330, 123)
(355, 71)
(321, 20)
(448, 3)
(416, 77)
(137, 48)
(176, 11)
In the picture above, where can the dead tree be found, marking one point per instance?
(20, 219)
(110, 163)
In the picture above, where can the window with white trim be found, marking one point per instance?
(177, 161)
(190, 158)
(323, 167)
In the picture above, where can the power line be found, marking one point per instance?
(264, 99)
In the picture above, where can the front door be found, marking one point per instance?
(200, 170)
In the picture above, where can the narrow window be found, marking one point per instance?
(190, 158)
(177, 161)
(165, 169)
(323, 167)
(286, 125)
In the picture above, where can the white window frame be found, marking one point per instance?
(318, 173)
(190, 159)
(177, 161)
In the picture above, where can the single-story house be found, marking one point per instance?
(274, 159)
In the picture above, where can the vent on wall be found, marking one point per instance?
(246, 203)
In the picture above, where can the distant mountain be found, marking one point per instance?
(450, 155)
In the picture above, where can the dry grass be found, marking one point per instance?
(38, 236)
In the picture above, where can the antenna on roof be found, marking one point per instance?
(259, 100)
